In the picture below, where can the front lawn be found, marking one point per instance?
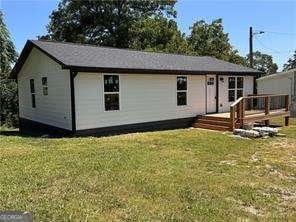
(178, 175)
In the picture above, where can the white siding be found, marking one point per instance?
(281, 84)
(224, 105)
(143, 98)
(53, 109)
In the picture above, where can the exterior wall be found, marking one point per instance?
(143, 98)
(224, 105)
(53, 109)
(281, 83)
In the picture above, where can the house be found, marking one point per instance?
(280, 83)
(69, 88)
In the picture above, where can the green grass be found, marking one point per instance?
(178, 175)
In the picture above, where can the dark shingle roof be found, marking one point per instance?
(88, 57)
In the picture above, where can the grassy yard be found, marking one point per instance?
(178, 175)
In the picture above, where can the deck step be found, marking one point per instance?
(211, 127)
(212, 122)
(216, 118)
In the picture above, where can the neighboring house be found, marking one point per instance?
(280, 83)
(83, 89)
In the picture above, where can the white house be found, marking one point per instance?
(280, 83)
(72, 88)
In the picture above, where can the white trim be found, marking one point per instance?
(235, 89)
(182, 106)
(119, 92)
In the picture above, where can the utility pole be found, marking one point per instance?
(251, 47)
(251, 60)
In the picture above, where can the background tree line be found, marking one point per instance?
(143, 25)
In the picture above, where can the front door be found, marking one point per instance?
(211, 94)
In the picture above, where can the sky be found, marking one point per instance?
(26, 19)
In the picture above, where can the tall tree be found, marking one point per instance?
(102, 22)
(264, 63)
(209, 39)
(291, 63)
(158, 34)
(8, 87)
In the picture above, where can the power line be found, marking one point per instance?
(271, 49)
(277, 33)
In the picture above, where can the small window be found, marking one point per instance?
(44, 86)
(240, 82)
(182, 90)
(231, 95)
(32, 91)
(231, 83)
(111, 92)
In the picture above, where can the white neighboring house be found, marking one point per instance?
(280, 83)
(69, 88)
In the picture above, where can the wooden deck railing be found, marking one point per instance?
(255, 108)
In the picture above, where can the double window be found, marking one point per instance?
(235, 88)
(44, 86)
(111, 92)
(181, 90)
(32, 90)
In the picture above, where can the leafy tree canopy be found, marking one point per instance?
(209, 39)
(8, 87)
(158, 34)
(102, 22)
(291, 63)
(264, 63)
(7, 49)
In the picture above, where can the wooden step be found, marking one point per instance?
(216, 118)
(211, 127)
(213, 122)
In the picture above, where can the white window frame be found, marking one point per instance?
(104, 93)
(34, 93)
(182, 106)
(235, 89)
(44, 86)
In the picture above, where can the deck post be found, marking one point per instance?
(242, 109)
(267, 108)
(287, 105)
(232, 114)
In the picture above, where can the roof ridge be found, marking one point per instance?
(116, 48)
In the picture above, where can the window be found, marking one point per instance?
(111, 92)
(44, 86)
(32, 90)
(182, 90)
(235, 88)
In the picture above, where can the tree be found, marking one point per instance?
(291, 63)
(264, 63)
(102, 22)
(158, 34)
(8, 88)
(211, 40)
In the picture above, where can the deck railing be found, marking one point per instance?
(255, 108)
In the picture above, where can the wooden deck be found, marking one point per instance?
(241, 112)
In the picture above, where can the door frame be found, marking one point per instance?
(217, 93)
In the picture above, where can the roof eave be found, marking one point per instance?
(158, 71)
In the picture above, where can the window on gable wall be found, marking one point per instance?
(111, 92)
(32, 91)
(181, 90)
(44, 86)
(235, 88)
